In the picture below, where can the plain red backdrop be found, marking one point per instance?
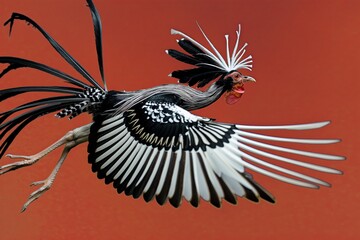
(306, 62)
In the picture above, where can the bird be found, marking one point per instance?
(148, 142)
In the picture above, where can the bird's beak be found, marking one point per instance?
(248, 79)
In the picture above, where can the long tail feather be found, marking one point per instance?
(12, 92)
(56, 46)
(52, 100)
(72, 104)
(98, 38)
(16, 63)
(71, 101)
(21, 121)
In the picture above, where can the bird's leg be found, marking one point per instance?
(30, 160)
(70, 140)
(46, 184)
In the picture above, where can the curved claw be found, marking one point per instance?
(28, 160)
(35, 195)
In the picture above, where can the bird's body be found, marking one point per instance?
(184, 96)
(146, 142)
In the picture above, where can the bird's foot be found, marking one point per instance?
(70, 140)
(28, 161)
(46, 184)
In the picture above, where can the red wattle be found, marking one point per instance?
(232, 98)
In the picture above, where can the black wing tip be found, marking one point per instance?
(196, 202)
(250, 195)
(262, 192)
(160, 200)
(268, 198)
(175, 202)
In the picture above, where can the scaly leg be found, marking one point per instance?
(70, 140)
(30, 160)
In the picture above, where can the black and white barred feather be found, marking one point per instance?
(159, 150)
(93, 98)
(69, 101)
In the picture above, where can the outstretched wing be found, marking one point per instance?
(161, 150)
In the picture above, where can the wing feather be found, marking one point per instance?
(140, 185)
(168, 172)
(159, 150)
(175, 198)
(187, 190)
(142, 159)
(152, 184)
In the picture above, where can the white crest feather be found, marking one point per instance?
(233, 61)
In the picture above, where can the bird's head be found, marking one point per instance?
(236, 89)
(210, 65)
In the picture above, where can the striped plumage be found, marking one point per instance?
(147, 143)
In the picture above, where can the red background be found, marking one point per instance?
(306, 62)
